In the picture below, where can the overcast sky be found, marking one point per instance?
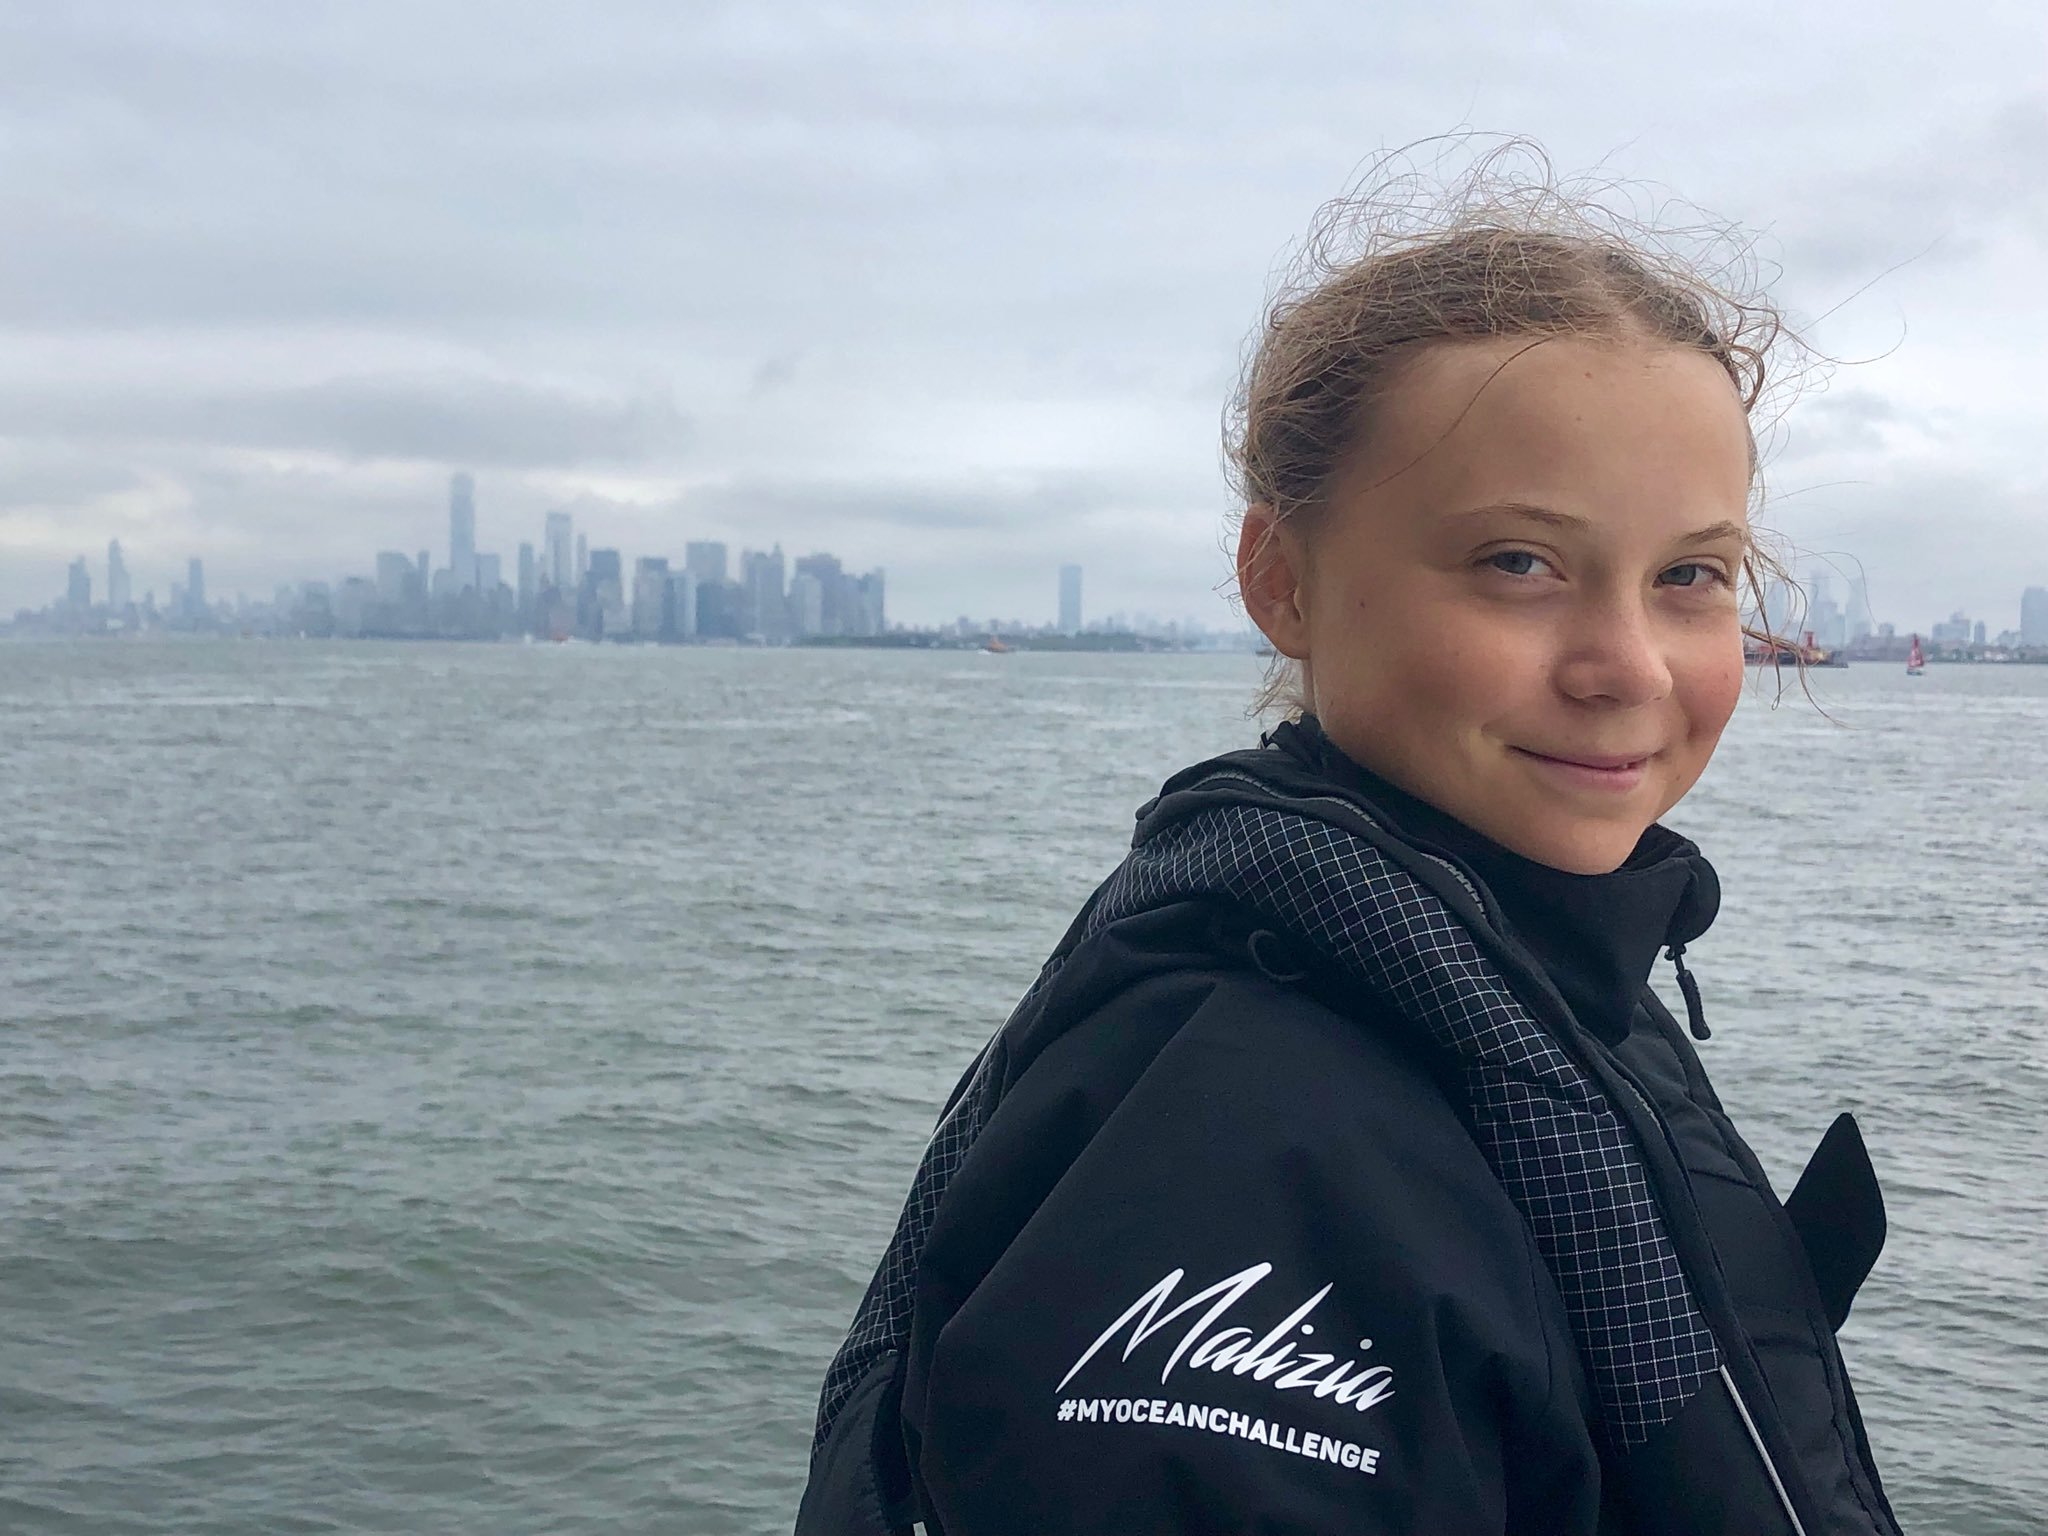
(956, 290)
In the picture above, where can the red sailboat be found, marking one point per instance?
(1915, 662)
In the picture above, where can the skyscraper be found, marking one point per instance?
(806, 603)
(682, 604)
(529, 582)
(462, 531)
(761, 576)
(1070, 600)
(651, 619)
(78, 588)
(2034, 616)
(118, 594)
(394, 571)
(195, 589)
(601, 605)
(705, 560)
(868, 617)
(834, 600)
(558, 558)
(1861, 621)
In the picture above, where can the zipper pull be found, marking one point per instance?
(1695, 1017)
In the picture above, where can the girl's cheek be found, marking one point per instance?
(1720, 688)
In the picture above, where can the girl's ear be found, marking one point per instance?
(1270, 567)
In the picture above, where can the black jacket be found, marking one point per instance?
(1214, 1237)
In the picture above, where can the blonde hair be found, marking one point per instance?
(1501, 250)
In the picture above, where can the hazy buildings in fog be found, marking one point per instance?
(396, 575)
(558, 569)
(118, 596)
(461, 533)
(704, 559)
(2034, 616)
(766, 607)
(653, 615)
(1070, 599)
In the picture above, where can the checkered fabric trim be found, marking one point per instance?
(882, 1322)
(1560, 1149)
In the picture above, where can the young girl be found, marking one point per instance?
(1341, 1172)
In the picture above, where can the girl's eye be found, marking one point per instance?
(1523, 562)
(1703, 575)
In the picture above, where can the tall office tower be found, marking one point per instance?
(393, 571)
(806, 605)
(118, 594)
(682, 604)
(582, 560)
(833, 600)
(1778, 608)
(705, 560)
(601, 604)
(195, 589)
(426, 572)
(2034, 616)
(761, 576)
(462, 531)
(651, 618)
(529, 582)
(488, 576)
(1861, 621)
(868, 617)
(558, 557)
(1070, 599)
(78, 587)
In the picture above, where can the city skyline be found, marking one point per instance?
(877, 301)
(560, 562)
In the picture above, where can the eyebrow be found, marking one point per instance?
(1551, 517)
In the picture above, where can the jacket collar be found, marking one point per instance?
(1596, 936)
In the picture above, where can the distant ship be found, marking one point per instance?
(1792, 653)
(1915, 662)
(994, 646)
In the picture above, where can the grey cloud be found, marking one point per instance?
(773, 374)
(1958, 189)
(440, 418)
(1841, 421)
(36, 474)
(820, 509)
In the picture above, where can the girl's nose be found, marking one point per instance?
(1616, 654)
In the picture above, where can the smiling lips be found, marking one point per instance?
(1604, 772)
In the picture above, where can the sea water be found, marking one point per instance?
(466, 1089)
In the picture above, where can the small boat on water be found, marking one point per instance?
(1792, 653)
(1915, 662)
(995, 646)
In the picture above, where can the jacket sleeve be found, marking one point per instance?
(1269, 1286)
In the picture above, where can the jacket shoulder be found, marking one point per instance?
(1215, 1129)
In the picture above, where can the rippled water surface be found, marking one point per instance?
(465, 1089)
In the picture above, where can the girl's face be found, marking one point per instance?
(1520, 604)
